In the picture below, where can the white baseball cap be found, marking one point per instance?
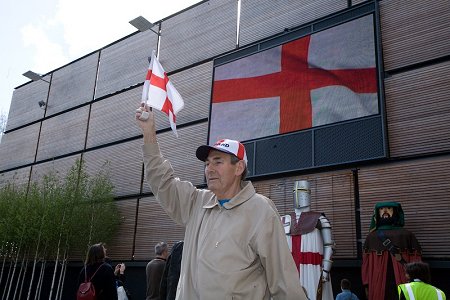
(227, 146)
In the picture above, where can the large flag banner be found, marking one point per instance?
(327, 77)
(160, 93)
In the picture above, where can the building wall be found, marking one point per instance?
(91, 103)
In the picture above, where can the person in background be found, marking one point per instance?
(171, 275)
(119, 273)
(234, 243)
(346, 293)
(419, 287)
(154, 271)
(104, 281)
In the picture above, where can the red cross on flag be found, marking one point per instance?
(160, 93)
(327, 77)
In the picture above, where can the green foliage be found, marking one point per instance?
(54, 213)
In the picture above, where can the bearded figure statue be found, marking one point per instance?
(387, 247)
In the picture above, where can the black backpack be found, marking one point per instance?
(86, 290)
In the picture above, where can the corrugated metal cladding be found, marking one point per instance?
(73, 85)
(17, 177)
(124, 163)
(18, 147)
(63, 134)
(125, 63)
(418, 110)
(414, 31)
(331, 194)
(181, 152)
(263, 18)
(197, 34)
(121, 246)
(24, 107)
(423, 189)
(112, 119)
(60, 168)
(154, 226)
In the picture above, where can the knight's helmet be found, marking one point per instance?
(302, 194)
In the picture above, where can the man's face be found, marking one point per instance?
(386, 212)
(220, 173)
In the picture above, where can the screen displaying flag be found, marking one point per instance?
(327, 77)
(160, 93)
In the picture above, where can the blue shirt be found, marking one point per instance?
(346, 295)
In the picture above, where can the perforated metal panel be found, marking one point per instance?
(17, 177)
(59, 168)
(112, 118)
(289, 152)
(63, 134)
(125, 63)
(414, 31)
(422, 186)
(263, 18)
(24, 107)
(154, 226)
(181, 152)
(353, 141)
(331, 194)
(418, 111)
(197, 34)
(124, 162)
(18, 147)
(73, 84)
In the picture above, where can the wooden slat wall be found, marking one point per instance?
(194, 85)
(355, 2)
(112, 118)
(154, 226)
(332, 194)
(63, 134)
(264, 18)
(18, 147)
(73, 84)
(17, 177)
(423, 189)
(24, 106)
(199, 33)
(125, 63)
(414, 31)
(124, 162)
(121, 246)
(59, 168)
(418, 110)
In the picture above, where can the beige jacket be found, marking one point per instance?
(238, 251)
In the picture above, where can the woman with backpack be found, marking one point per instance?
(96, 279)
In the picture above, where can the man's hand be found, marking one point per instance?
(147, 125)
(325, 276)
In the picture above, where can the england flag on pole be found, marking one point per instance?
(160, 93)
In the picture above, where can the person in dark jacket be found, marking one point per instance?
(99, 273)
(171, 275)
(154, 271)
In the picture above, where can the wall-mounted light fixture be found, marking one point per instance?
(142, 24)
(34, 76)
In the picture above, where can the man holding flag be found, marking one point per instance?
(234, 244)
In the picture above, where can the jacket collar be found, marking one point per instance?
(246, 193)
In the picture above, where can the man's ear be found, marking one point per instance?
(240, 167)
